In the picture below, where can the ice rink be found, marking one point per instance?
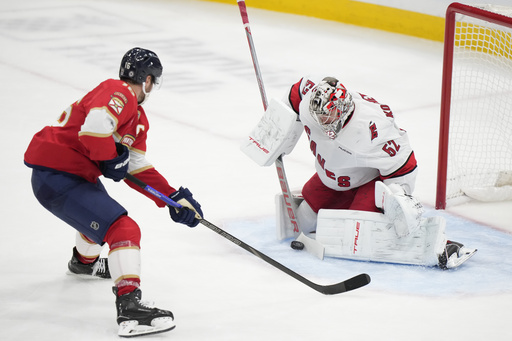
(55, 51)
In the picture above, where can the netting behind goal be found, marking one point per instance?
(475, 144)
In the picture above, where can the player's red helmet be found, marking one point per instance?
(330, 105)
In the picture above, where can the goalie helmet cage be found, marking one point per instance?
(475, 142)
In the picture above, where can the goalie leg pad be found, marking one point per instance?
(306, 217)
(284, 227)
(369, 236)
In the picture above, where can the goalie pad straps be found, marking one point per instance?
(403, 210)
(276, 134)
(369, 236)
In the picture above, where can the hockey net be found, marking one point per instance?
(475, 142)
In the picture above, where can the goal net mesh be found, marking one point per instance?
(480, 140)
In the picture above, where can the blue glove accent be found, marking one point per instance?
(116, 168)
(185, 215)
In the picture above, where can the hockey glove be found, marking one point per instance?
(116, 168)
(191, 211)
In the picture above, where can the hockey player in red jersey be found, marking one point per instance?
(105, 133)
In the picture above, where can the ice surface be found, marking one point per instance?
(54, 51)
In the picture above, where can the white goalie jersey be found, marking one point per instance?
(355, 141)
(370, 144)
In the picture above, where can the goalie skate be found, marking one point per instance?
(454, 255)
(137, 318)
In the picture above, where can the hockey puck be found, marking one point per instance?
(296, 245)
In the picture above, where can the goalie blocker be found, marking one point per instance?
(276, 134)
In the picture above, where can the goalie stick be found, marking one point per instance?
(285, 188)
(347, 285)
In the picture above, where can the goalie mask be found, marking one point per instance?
(330, 105)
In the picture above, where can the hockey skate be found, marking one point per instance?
(136, 318)
(454, 255)
(97, 269)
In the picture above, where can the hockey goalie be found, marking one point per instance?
(358, 204)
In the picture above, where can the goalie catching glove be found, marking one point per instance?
(190, 213)
(401, 208)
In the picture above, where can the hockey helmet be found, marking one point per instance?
(330, 105)
(138, 63)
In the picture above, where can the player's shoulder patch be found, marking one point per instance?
(374, 132)
(128, 140)
(117, 102)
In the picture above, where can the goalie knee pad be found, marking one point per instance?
(404, 211)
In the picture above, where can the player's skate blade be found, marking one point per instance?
(132, 328)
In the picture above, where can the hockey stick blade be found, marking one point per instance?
(348, 285)
(332, 289)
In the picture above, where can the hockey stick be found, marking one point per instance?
(347, 285)
(285, 188)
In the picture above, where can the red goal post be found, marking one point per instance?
(475, 137)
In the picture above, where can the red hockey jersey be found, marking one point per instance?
(86, 132)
